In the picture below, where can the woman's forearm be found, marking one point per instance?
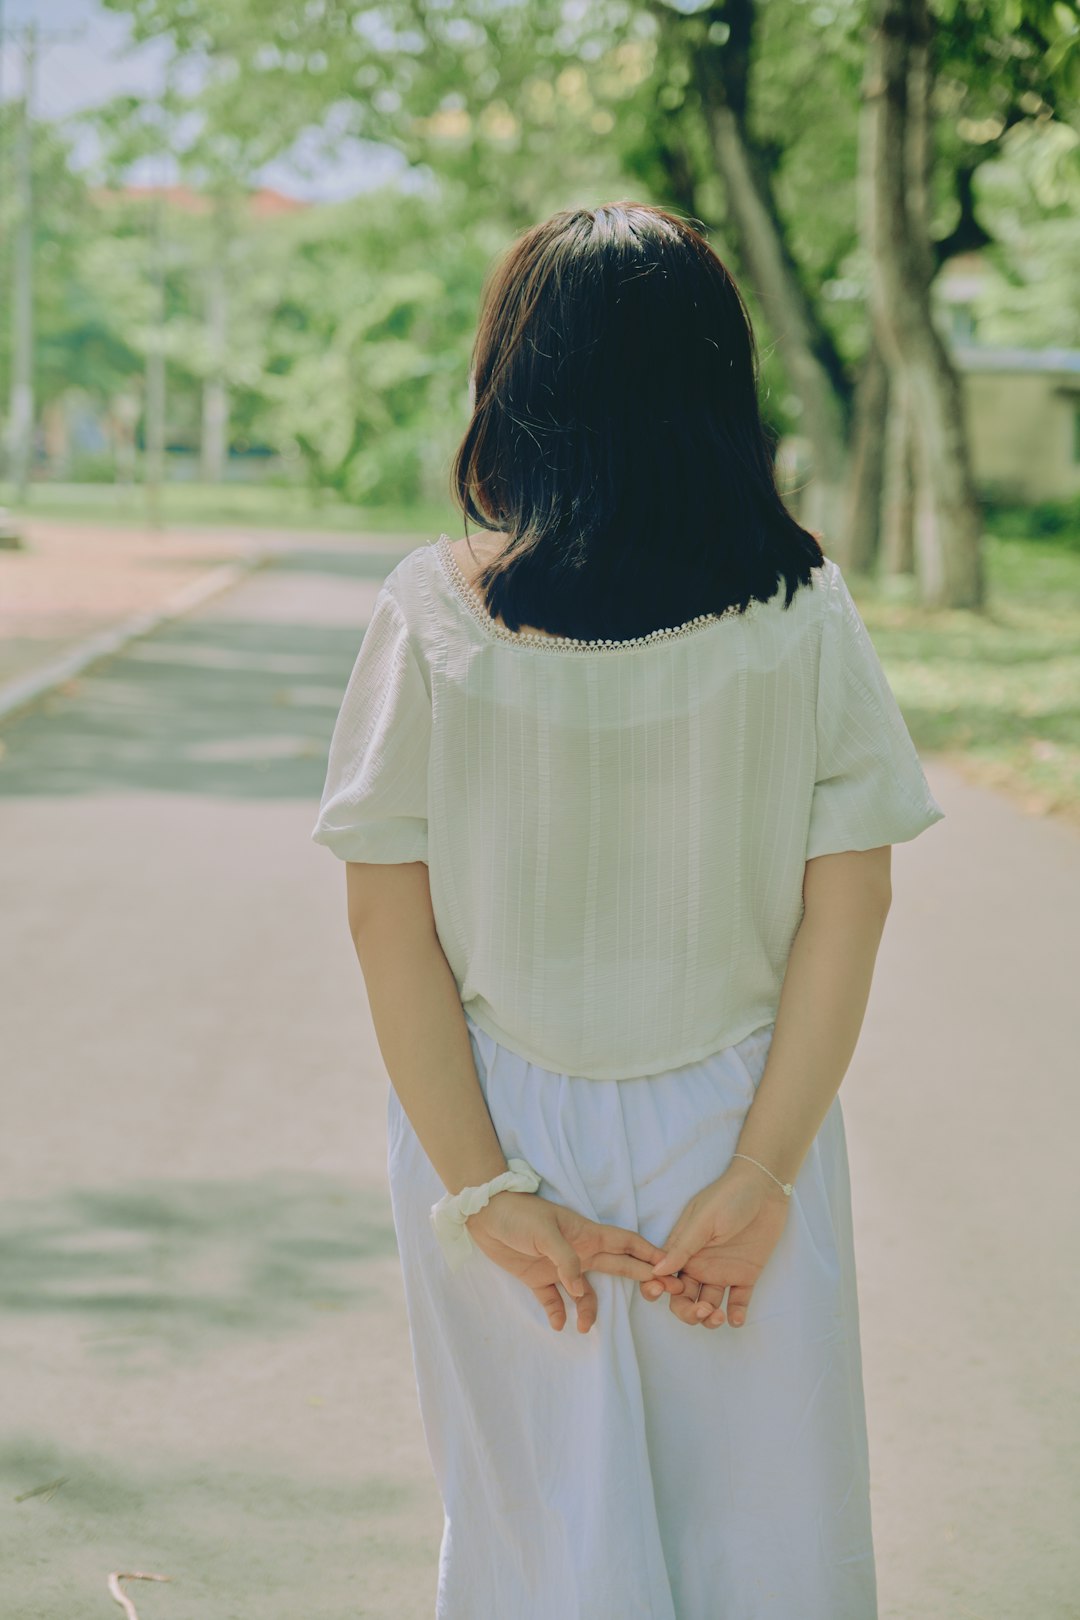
(819, 1016)
(424, 1040)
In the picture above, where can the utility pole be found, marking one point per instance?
(156, 375)
(154, 421)
(215, 395)
(3, 514)
(21, 409)
(10, 538)
(1, 100)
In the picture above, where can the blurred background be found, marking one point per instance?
(242, 244)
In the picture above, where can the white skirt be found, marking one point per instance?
(647, 1469)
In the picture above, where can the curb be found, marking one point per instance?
(18, 694)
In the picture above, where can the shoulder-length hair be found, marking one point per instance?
(616, 439)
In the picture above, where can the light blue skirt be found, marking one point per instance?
(647, 1469)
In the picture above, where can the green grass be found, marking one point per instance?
(999, 690)
(246, 505)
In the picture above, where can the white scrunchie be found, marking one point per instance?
(449, 1215)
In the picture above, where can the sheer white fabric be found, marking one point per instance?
(645, 1470)
(616, 835)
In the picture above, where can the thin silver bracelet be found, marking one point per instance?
(785, 1186)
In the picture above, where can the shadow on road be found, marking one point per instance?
(174, 1265)
(249, 1541)
(239, 701)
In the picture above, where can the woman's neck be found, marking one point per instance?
(472, 557)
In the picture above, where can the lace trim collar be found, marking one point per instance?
(472, 600)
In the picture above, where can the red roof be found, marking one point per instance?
(262, 203)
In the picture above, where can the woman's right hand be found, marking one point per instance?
(544, 1244)
(723, 1239)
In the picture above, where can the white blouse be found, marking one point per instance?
(616, 832)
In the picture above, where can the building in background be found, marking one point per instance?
(1023, 405)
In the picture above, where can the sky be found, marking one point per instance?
(85, 58)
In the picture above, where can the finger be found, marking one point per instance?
(566, 1260)
(684, 1303)
(621, 1240)
(709, 1307)
(685, 1308)
(623, 1265)
(619, 1265)
(694, 1236)
(655, 1286)
(677, 1233)
(554, 1307)
(702, 1311)
(586, 1307)
(738, 1300)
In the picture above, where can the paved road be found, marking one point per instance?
(72, 581)
(204, 1334)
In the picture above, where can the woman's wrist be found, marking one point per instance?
(772, 1141)
(744, 1172)
(484, 1170)
(479, 1215)
(452, 1215)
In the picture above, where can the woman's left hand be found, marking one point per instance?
(723, 1240)
(544, 1243)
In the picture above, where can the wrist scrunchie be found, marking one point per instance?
(449, 1215)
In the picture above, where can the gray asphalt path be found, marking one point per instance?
(204, 1334)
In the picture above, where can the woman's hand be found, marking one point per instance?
(722, 1239)
(543, 1243)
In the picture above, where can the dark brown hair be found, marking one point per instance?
(616, 437)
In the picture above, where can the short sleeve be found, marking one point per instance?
(374, 802)
(869, 786)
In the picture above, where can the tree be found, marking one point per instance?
(896, 97)
(509, 102)
(742, 114)
(80, 319)
(993, 69)
(719, 42)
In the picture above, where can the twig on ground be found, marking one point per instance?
(46, 1492)
(131, 1575)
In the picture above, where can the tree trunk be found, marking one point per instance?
(862, 531)
(721, 74)
(822, 420)
(898, 490)
(674, 159)
(947, 527)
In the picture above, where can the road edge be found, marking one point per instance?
(26, 689)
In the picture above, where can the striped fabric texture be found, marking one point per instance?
(616, 834)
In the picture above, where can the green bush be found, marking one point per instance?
(91, 469)
(1056, 521)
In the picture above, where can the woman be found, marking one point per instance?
(616, 789)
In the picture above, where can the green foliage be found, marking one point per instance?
(349, 327)
(348, 335)
(1030, 197)
(364, 346)
(79, 341)
(1054, 521)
